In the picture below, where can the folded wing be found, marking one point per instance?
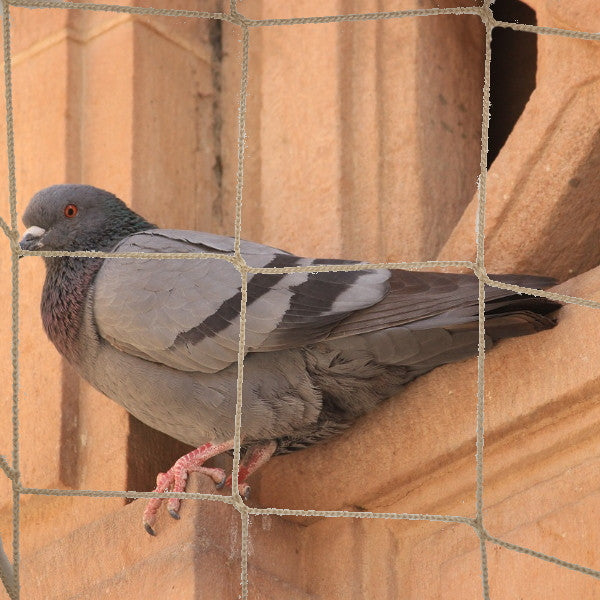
(185, 313)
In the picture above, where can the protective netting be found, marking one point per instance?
(10, 572)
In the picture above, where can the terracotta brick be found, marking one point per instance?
(330, 193)
(173, 100)
(44, 519)
(514, 575)
(90, 24)
(197, 556)
(574, 15)
(546, 505)
(541, 191)
(270, 536)
(5, 363)
(229, 74)
(33, 30)
(191, 34)
(383, 554)
(262, 9)
(291, 162)
(197, 5)
(107, 69)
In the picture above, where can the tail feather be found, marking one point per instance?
(423, 300)
(516, 324)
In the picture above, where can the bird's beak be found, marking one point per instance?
(31, 238)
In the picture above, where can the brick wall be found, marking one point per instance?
(363, 142)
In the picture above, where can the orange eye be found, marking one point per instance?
(70, 211)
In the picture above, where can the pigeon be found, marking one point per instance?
(322, 348)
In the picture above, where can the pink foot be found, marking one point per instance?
(243, 487)
(175, 480)
(254, 458)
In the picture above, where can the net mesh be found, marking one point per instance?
(9, 573)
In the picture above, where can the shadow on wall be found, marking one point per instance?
(449, 89)
(512, 71)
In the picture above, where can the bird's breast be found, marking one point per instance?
(66, 289)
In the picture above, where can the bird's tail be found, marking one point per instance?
(518, 314)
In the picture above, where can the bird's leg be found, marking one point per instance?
(175, 479)
(255, 457)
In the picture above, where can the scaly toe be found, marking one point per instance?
(176, 477)
(149, 516)
(163, 481)
(216, 474)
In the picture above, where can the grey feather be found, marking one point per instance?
(185, 313)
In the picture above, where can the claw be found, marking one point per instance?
(175, 479)
(246, 493)
(221, 484)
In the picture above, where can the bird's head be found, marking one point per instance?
(77, 217)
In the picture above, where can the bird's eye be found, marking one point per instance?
(70, 211)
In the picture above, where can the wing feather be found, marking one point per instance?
(185, 312)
